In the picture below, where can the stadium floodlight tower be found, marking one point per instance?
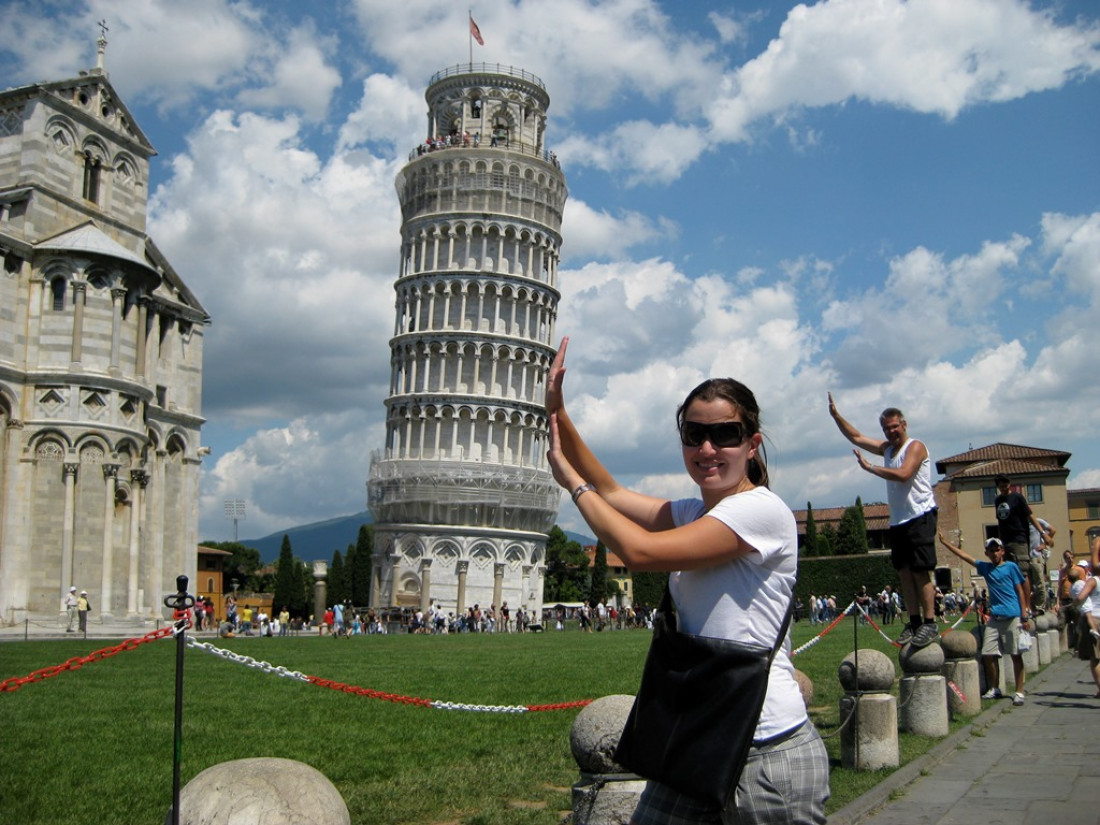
(461, 495)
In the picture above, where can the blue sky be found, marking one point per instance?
(896, 201)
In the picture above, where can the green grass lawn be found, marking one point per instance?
(95, 744)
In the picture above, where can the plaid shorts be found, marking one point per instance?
(784, 783)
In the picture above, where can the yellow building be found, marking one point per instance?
(1084, 520)
(966, 494)
(617, 573)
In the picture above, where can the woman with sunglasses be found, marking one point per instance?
(732, 555)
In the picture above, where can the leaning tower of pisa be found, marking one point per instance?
(461, 494)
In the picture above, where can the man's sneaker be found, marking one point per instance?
(1017, 699)
(993, 693)
(925, 635)
(906, 636)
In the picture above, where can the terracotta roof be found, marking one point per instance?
(612, 559)
(1084, 491)
(1006, 452)
(213, 551)
(1005, 467)
(876, 516)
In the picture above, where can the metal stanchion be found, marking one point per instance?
(181, 603)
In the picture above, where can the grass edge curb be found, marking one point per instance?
(863, 806)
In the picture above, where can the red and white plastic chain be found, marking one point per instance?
(15, 682)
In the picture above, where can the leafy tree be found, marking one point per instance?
(243, 565)
(852, 533)
(361, 569)
(597, 587)
(337, 587)
(827, 541)
(566, 569)
(284, 577)
(809, 546)
(649, 586)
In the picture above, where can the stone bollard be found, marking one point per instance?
(605, 794)
(923, 691)
(869, 739)
(1043, 641)
(1062, 629)
(960, 670)
(1047, 626)
(261, 790)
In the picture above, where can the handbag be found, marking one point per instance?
(696, 711)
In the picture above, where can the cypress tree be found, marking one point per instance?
(597, 588)
(337, 591)
(809, 546)
(284, 578)
(361, 570)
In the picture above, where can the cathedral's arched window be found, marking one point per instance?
(93, 169)
(57, 288)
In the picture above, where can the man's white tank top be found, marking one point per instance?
(910, 499)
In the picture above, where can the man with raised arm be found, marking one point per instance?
(906, 470)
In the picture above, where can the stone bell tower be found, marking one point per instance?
(461, 494)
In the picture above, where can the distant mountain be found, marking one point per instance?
(313, 542)
(317, 541)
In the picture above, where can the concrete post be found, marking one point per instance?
(960, 671)
(923, 691)
(869, 738)
(605, 794)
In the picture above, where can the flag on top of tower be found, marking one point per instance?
(475, 31)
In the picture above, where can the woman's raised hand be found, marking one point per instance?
(563, 471)
(555, 399)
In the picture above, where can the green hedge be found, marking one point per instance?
(842, 576)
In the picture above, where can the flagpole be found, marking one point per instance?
(470, 35)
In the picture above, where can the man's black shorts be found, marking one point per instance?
(913, 543)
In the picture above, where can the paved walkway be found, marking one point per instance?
(1038, 764)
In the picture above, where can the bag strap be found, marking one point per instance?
(668, 608)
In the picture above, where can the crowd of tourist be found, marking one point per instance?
(465, 140)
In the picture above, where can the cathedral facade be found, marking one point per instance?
(461, 494)
(100, 364)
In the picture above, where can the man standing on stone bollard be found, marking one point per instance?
(1009, 612)
(906, 470)
(1014, 522)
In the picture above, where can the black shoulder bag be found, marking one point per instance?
(696, 711)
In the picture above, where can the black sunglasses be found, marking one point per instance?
(722, 434)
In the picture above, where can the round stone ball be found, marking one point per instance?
(805, 687)
(263, 789)
(959, 645)
(1044, 623)
(596, 731)
(928, 659)
(876, 670)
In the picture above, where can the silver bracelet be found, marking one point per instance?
(584, 488)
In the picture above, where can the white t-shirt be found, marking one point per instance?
(746, 599)
(1091, 604)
